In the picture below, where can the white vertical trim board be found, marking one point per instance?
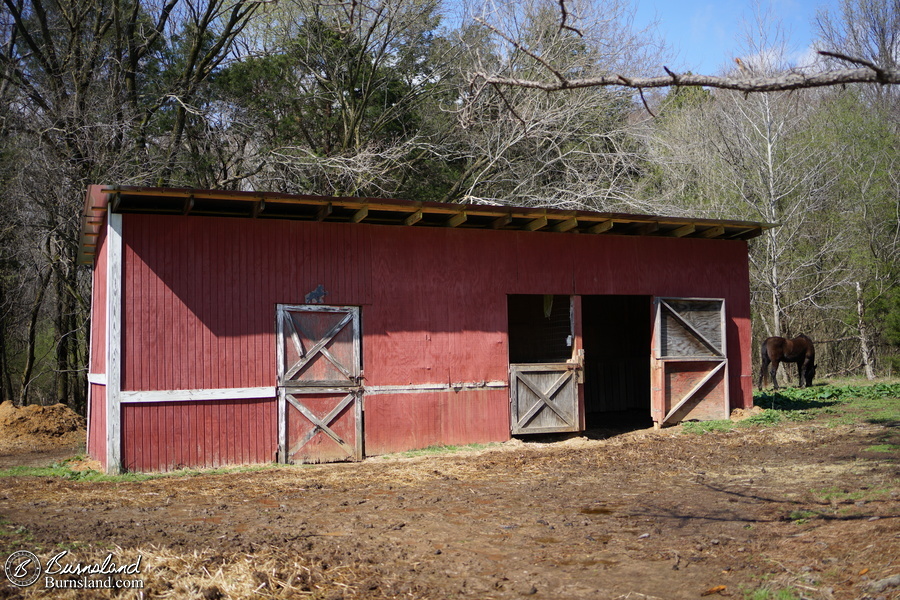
(113, 342)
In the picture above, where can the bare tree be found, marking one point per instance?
(757, 157)
(525, 146)
(85, 100)
(549, 78)
(863, 32)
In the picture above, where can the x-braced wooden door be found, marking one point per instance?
(319, 391)
(690, 365)
(544, 398)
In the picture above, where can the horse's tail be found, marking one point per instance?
(764, 363)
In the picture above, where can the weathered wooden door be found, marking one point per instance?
(319, 391)
(544, 398)
(690, 366)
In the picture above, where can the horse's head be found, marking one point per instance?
(810, 374)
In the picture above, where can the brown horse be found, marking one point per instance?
(776, 350)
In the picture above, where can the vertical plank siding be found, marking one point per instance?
(397, 422)
(162, 436)
(199, 313)
(96, 433)
(98, 302)
(201, 295)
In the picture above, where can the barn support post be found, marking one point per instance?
(113, 343)
(578, 356)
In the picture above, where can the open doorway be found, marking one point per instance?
(617, 338)
(543, 379)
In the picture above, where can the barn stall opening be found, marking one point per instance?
(239, 327)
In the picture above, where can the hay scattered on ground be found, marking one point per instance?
(739, 414)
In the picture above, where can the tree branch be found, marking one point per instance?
(778, 83)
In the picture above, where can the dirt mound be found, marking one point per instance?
(36, 427)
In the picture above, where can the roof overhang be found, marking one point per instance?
(382, 211)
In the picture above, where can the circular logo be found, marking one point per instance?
(22, 568)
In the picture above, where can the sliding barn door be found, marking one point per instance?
(690, 367)
(319, 392)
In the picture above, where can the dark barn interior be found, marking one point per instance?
(617, 343)
(617, 337)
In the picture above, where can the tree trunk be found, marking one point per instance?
(43, 281)
(864, 335)
(62, 340)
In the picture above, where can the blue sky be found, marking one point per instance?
(708, 34)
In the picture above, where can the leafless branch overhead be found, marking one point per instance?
(778, 83)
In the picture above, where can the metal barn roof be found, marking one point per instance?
(381, 211)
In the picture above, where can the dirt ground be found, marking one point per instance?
(664, 514)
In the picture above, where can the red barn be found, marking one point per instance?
(232, 327)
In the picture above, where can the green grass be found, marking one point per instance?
(884, 448)
(839, 494)
(766, 593)
(877, 404)
(800, 517)
(440, 449)
(63, 470)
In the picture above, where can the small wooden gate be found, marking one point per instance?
(544, 398)
(690, 368)
(319, 392)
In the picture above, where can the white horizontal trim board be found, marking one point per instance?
(97, 378)
(131, 397)
(435, 387)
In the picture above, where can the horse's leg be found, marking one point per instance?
(800, 370)
(773, 371)
(806, 363)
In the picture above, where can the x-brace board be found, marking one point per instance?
(323, 424)
(319, 347)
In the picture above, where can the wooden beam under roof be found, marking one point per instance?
(413, 218)
(683, 231)
(324, 211)
(566, 225)
(647, 228)
(501, 222)
(536, 224)
(259, 207)
(601, 227)
(457, 219)
(713, 232)
(360, 214)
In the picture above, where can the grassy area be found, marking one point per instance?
(833, 404)
(64, 469)
(766, 593)
(440, 449)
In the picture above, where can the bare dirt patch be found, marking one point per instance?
(647, 514)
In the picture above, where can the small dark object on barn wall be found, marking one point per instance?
(317, 296)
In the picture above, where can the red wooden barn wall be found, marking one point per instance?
(96, 434)
(160, 436)
(199, 298)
